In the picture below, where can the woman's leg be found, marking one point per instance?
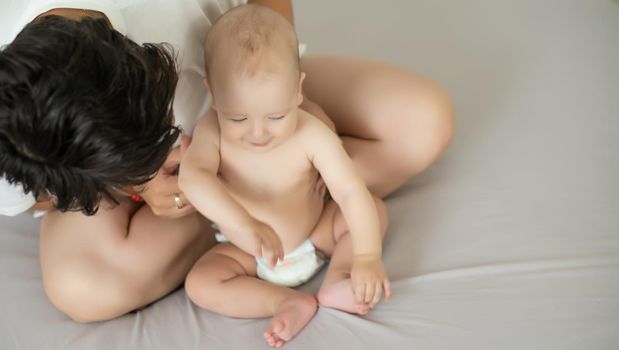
(103, 266)
(394, 124)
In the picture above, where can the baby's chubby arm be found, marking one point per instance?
(199, 181)
(325, 150)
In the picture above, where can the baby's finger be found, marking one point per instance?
(278, 248)
(270, 255)
(259, 249)
(378, 291)
(273, 260)
(282, 254)
(359, 293)
(387, 287)
(370, 287)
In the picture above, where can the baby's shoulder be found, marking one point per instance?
(312, 127)
(313, 131)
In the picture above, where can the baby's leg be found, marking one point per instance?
(102, 266)
(332, 238)
(223, 280)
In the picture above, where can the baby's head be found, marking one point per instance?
(252, 67)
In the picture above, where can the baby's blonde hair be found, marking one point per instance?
(251, 37)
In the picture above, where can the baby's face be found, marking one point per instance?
(258, 113)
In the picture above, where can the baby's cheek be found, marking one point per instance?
(288, 128)
(233, 133)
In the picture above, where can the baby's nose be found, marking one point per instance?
(258, 130)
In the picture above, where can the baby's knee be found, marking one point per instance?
(204, 292)
(205, 282)
(196, 287)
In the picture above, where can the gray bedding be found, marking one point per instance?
(509, 241)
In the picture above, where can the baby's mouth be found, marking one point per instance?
(259, 144)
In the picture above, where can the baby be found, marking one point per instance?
(253, 168)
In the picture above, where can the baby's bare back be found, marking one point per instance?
(277, 187)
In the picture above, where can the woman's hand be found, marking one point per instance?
(162, 193)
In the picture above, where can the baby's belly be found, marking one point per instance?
(293, 216)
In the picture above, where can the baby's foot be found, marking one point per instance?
(339, 296)
(289, 319)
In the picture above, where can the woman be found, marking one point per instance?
(85, 115)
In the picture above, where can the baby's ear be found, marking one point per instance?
(210, 92)
(300, 88)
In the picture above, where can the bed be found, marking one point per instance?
(509, 241)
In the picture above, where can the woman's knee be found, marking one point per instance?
(425, 125)
(84, 296)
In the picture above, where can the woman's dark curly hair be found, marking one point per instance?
(84, 111)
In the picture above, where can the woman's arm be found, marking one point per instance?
(283, 7)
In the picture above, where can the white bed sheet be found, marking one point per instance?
(510, 241)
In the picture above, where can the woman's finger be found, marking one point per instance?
(169, 204)
(159, 193)
(175, 213)
(172, 211)
(179, 200)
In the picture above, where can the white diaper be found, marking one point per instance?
(298, 266)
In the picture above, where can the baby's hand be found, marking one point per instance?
(264, 242)
(368, 279)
